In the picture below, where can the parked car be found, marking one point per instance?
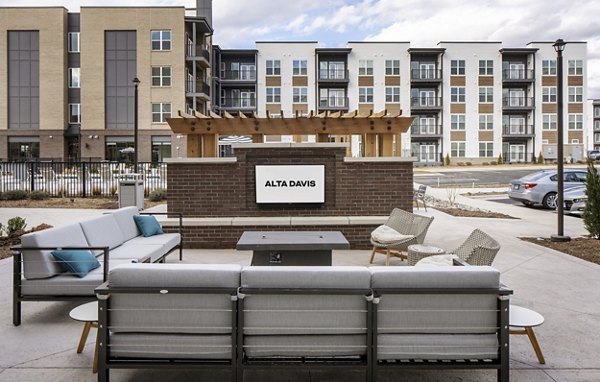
(574, 200)
(540, 187)
(594, 155)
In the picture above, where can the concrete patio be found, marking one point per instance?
(564, 289)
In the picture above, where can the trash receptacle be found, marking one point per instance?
(131, 193)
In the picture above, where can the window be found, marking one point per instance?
(365, 95)
(575, 93)
(74, 42)
(114, 148)
(486, 149)
(161, 40)
(332, 98)
(486, 95)
(549, 122)
(161, 148)
(486, 67)
(457, 67)
(300, 67)
(332, 70)
(300, 95)
(597, 112)
(74, 79)
(548, 67)
(486, 122)
(575, 67)
(273, 68)
(457, 94)
(457, 149)
(575, 121)
(74, 113)
(549, 94)
(160, 112)
(365, 67)
(392, 67)
(575, 141)
(161, 76)
(23, 148)
(274, 95)
(457, 121)
(392, 95)
(596, 125)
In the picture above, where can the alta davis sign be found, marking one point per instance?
(290, 184)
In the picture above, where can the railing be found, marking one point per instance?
(426, 130)
(333, 103)
(333, 74)
(198, 51)
(517, 130)
(240, 103)
(517, 102)
(426, 74)
(238, 75)
(197, 87)
(517, 74)
(78, 179)
(425, 102)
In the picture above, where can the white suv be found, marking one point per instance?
(594, 155)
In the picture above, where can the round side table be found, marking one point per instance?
(524, 320)
(417, 252)
(88, 314)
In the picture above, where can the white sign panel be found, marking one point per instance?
(290, 184)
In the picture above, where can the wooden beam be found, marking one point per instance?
(227, 115)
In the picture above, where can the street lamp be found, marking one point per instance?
(136, 82)
(559, 47)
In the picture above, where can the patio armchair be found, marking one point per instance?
(478, 249)
(401, 230)
(419, 196)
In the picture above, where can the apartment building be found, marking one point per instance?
(594, 124)
(70, 93)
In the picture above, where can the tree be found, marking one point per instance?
(591, 213)
(447, 160)
(500, 160)
(540, 158)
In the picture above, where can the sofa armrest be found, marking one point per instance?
(460, 262)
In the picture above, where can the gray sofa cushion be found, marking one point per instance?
(124, 217)
(176, 275)
(41, 264)
(170, 346)
(435, 277)
(102, 231)
(167, 240)
(437, 346)
(340, 277)
(136, 252)
(305, 346)
(63, 284)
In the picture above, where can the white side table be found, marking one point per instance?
(88, 314)
(524, 320)
(418, 252)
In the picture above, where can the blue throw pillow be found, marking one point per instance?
(148, 225)
(76, 261)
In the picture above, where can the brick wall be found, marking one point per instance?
(352, 188)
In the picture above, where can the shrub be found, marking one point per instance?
(39, 195)
(460, 163)
(469, 164)
(500, 159)
(113, 190)
(540, 158)
(158, 195)
(493, 163)
(15, 226)
(447, 160)
(591, 213)
(485, 164)
(2, 229)
(14, 195)
(96, 191)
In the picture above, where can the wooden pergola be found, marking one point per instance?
(377, 129)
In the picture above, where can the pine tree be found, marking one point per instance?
(540, 158)
(591, 213)
(447, 161)
(500, 160)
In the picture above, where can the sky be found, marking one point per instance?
(239, 23)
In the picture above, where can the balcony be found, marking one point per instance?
(198, 53)
(517, 131)
(518, 75)
(333, 75)
(197, 89)
(426, 75)
(333, 103)
(426, 103)
(424, 131)
(517, 103)
(238, 103)
(238, 75)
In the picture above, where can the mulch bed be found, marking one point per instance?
(584, 248)
(8, 241)
(459, 212)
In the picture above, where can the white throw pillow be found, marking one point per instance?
(387, 235)
(440, 260)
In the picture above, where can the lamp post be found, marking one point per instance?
(136, 82)
(559, 47)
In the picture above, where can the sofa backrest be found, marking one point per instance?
(300, 314)
(103, 231)
(41, 264)
(436, 312)
(124, 217)
(164, 311)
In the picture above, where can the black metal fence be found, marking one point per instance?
(79, 179)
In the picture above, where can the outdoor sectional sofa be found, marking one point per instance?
(114, 239)
(355, 318)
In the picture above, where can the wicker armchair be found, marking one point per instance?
(406, 228)
(479, 249)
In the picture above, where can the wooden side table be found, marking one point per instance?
(525, 320)
(417, 252)
(88, 314)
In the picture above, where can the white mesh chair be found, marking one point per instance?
(401, 230)
(419, 196)
(478, 249)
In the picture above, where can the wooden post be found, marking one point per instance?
(370, 144)
(323, 138)
(386, 145)
(210, 145)
(193, 146)
(257, 138)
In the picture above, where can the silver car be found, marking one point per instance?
(540, 187)
(574, 200)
